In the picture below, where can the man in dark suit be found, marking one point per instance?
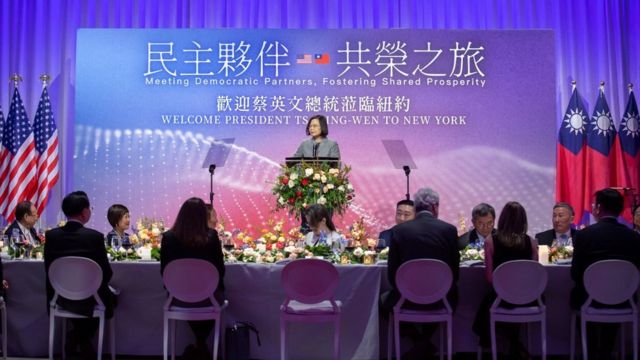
(73, 239)
(562, 231)
(607, 239)
(26, 217)
(424, 237)
(483, 217)
(404, 212)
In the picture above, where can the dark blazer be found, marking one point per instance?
(425, 237)
(173, 249)
(384, 239)
(73, 239)
(14, 225)
(470, 237)
(604, 240)
(547, 237)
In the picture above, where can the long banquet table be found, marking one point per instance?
(255, 295)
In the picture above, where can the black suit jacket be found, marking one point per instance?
(547, 237)
(384, 239)
(173, 249)
(425, 237)
(470, 237)
(604, 240)
(73, 239)
(14, 225)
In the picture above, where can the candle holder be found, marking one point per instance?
(368, 259)
(344, 259)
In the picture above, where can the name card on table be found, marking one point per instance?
(543, 254)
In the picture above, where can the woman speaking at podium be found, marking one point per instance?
(318, 145)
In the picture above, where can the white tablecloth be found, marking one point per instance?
(255, 295)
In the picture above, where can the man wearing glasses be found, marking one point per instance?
(483, 217)
(25, 222)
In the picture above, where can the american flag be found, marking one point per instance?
(46, 135)
(18, 180)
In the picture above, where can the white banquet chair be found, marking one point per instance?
(202, 281)
(77, 278)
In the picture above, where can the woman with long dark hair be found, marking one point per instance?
(190, 238)
(322, 229)
(510, 242)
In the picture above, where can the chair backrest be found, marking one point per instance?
(520, 281)
(190, 280)
(611, 282)
(310, 281)
(424, 281)
(74, 277)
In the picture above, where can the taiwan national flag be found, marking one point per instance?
(600, 153)
(570, 163)
(629, 159)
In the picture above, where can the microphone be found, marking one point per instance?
(315, 149)
(212, 168)
(407, 170)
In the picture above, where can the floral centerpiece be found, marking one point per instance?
(300, 186)
(472, 252)
(559, 252)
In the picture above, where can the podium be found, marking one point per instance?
(333, 162)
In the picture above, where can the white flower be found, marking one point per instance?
(232, 258)
(293, 176)
(291, 184)
(269, 259)
(317, 191)
(248, 252)
(330, 186)
(358, 252)
(261, 248)
(308, 172)
(385, 250)
(333, 171)
(325, 189)
(289, 249)
(281, 200)
(122, 251)
(316, 176)
(323, 179)
(281, 239)
(341, 188)
(322, 200)
(472, 252)
(156, 232)
(569, 248)
(349, 186)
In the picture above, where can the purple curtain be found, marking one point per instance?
(595, 40)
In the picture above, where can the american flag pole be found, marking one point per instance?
(46, 142)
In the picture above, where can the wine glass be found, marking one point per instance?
(116, 242)
(4, 242)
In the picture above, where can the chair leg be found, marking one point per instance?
(449, 338)
(165, 338)
(64, 337)
(100, 337)
(583, 337)
(336, 339)
(172, 324)
(283, 332)
(396, 335)
(441, 350)
(494, 352)
(543, 336)
(216, 337)
(634, 331)
(572, 339)
(52, 323)
(623, 352)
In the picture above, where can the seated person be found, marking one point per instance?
(510, 242)
(604, 240)
(404, 212)
(191, 238)
(25, 222)
(73, 239)
(322, 228)
(120, 220)
(483, 217)
(636, 218)
(562, 231)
